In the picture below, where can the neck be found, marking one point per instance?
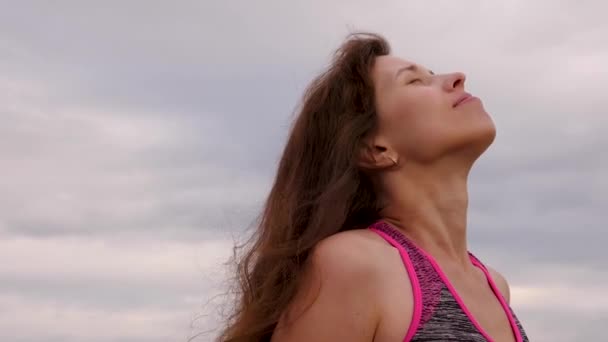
(430, 208)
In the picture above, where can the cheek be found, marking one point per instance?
(420, 102)
(418, 123)
(419, 112)
(408, 130)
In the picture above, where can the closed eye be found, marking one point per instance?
(414, 81)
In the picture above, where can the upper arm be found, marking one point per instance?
(502, 284)
(335, 301)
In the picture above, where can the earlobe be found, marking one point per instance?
(366, 157)
(394, 160)
(375, 153)
(376, 157)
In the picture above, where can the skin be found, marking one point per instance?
(355, 287)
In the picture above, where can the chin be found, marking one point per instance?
(483, 137)
(475, 141)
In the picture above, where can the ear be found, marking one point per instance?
(374, 154)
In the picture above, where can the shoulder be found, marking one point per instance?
(336, 299)
(501, 282)
(349, 260)
(351, 251)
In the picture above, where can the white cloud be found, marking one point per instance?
(36, 320)
(112, 258)
(578, 300)
(146, 289)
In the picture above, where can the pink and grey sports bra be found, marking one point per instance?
(439, 312)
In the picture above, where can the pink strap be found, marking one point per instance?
(500, 297)
(414, 324)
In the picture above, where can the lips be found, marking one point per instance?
(462, 98)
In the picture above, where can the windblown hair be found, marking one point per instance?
(318, 191)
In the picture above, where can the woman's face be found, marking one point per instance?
(422, 116)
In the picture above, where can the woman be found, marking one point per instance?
(363, 235)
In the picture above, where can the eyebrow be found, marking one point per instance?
(411, 67)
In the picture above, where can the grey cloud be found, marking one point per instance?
(107, 295)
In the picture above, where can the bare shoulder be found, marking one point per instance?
(501, 282)
(349, 259)
(336, 299)
(353, 250)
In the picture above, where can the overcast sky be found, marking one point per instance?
(139, 137)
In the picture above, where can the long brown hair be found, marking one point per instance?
(318, 190)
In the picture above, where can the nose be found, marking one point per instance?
(455, 80)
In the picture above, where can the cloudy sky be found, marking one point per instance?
(139, 138)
